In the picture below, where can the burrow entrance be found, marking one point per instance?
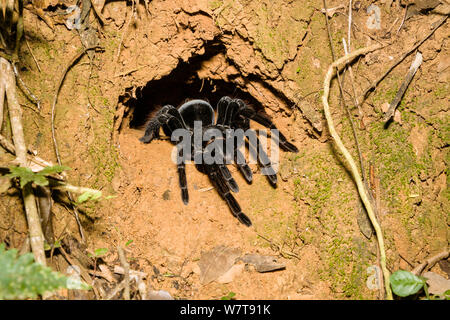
(187, 81)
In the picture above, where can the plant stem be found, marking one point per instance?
(33, 219)
(361, 189)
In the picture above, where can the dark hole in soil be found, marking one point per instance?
(181, 85)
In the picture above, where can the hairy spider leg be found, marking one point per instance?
(222, 188)
(151, 130)
(226, 110)
(241, 163)
(181, 168)
(250, 113)
(229, 111)
(226, 174)
(170, 119)
(262, 158)
(160, 119)
(226, 114)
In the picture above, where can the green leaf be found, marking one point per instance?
(447, 295)
(25, 175)
(168, 275)
(56, 244)
(53, 169)
(100, 252)
(40, 180)
(77, 284)
(128, 243)
(22, 278)
(229, 296)
(89, 195)
(405, 283)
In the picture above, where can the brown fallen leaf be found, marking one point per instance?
(229, 276)
(445, 266)
(263, 263)
(437, 284)
(44, 4)
(158, 295)
(41, 14)
(364, 224)
(216, 262)
(106, 273)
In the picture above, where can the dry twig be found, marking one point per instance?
(15, 112)
(2, 102)
(404, 18)
(125, 31)
(430, 262)
(83, 273)
(341, 91)
(126, 268)
(31, 51)
(30, 96)
(398, 97)
(38, 163)
(400, 59)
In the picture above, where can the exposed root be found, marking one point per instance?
(363, 193)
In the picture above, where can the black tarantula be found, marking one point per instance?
(231, 114)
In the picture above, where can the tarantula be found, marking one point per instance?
(231, 114)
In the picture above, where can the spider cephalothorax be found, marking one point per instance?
(232, 114)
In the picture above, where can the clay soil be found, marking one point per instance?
(273, 55)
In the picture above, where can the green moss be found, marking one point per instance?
(214, 4)
(394, 156)
(103, 154)
(329, 197)
(346, 268)
(442, 91)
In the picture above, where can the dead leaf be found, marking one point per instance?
(445, 266)
(263, 263)
(106, 273)
(44, 203)
(437, 284)
(332, 11)
(229, 276)
(364, 224)
(44, 4)
(158, 295)
(41, 14)
(216, 262)
(423, 5)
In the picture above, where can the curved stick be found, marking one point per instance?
(361, 189)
